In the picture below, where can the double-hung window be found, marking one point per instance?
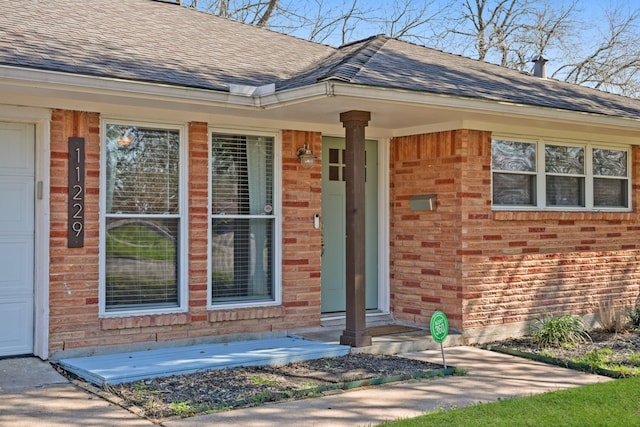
(142, 219)
(243, 219)
(559, 175)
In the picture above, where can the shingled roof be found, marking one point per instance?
(146, 40)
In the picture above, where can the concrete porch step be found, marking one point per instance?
(386, 344)
(128, 367)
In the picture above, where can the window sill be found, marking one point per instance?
(229, 315)
(130, 322)
(563, 215)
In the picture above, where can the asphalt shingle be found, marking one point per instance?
(147, 40)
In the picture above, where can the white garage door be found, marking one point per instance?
(16, 238)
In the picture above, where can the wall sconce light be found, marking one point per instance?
(307, 159)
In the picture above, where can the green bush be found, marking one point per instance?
(634, 317)
(567, 330)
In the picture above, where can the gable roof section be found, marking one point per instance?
(389, 63)
(145, 40)
(151, 41)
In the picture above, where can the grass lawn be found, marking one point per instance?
(614, 403)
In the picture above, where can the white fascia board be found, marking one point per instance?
(82, 84)
(479, 105)
(124, 88)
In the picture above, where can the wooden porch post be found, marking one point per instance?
(355, 333)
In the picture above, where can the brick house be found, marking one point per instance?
(153, 191)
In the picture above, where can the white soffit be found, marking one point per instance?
(400, 112)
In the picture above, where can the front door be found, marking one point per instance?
(333, 292)
(17, 178)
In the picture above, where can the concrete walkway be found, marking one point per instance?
(490, 376)
(32, 393)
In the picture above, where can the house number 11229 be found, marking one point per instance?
(76, 193)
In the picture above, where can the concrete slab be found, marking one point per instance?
(128, 367)
(63, 405)
(32, 393)
(26, 373)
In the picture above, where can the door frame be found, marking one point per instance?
(41, 119)
(384, 291)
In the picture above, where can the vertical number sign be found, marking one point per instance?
(76, 193)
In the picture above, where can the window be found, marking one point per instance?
(243, 219)
(556, 175)
(142, 218)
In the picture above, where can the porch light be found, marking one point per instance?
(307, 159)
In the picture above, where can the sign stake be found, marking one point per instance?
(439, 327)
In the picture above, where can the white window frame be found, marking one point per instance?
(541, 175)
(183, 244)
(277, 233)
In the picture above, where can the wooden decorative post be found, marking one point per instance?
(355, 333)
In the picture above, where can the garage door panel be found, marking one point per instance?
(17, 205)
(17, 322)
(16, 146)
(16, 265)
(17, 183)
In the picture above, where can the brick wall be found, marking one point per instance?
(301, 242)
(74, 281)
(492, 269)
(426, 246)
(73, 273)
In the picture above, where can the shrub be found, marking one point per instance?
(567, 330)
(634, 317)
(613, 318)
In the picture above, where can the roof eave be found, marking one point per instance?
(493, 107)
(83, 85)
(120, 90)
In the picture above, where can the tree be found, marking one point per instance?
(507, 32)
(613, 62)
(256, 13)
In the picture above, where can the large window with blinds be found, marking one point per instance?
(243, 219)
(560, 175)
(142, 224)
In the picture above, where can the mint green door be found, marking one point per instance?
(333, 293)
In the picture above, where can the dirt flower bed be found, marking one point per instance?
(215, 390)
(606, 351)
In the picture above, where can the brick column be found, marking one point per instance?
(355, 333)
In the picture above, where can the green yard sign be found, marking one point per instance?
(439, 326)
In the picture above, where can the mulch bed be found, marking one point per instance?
(624, 346)
(215, 390)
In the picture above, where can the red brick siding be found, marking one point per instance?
(73, 273)
(74, 311)
(488, 267)
(301, 242)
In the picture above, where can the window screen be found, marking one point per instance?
(142, 218)
(243, 218)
